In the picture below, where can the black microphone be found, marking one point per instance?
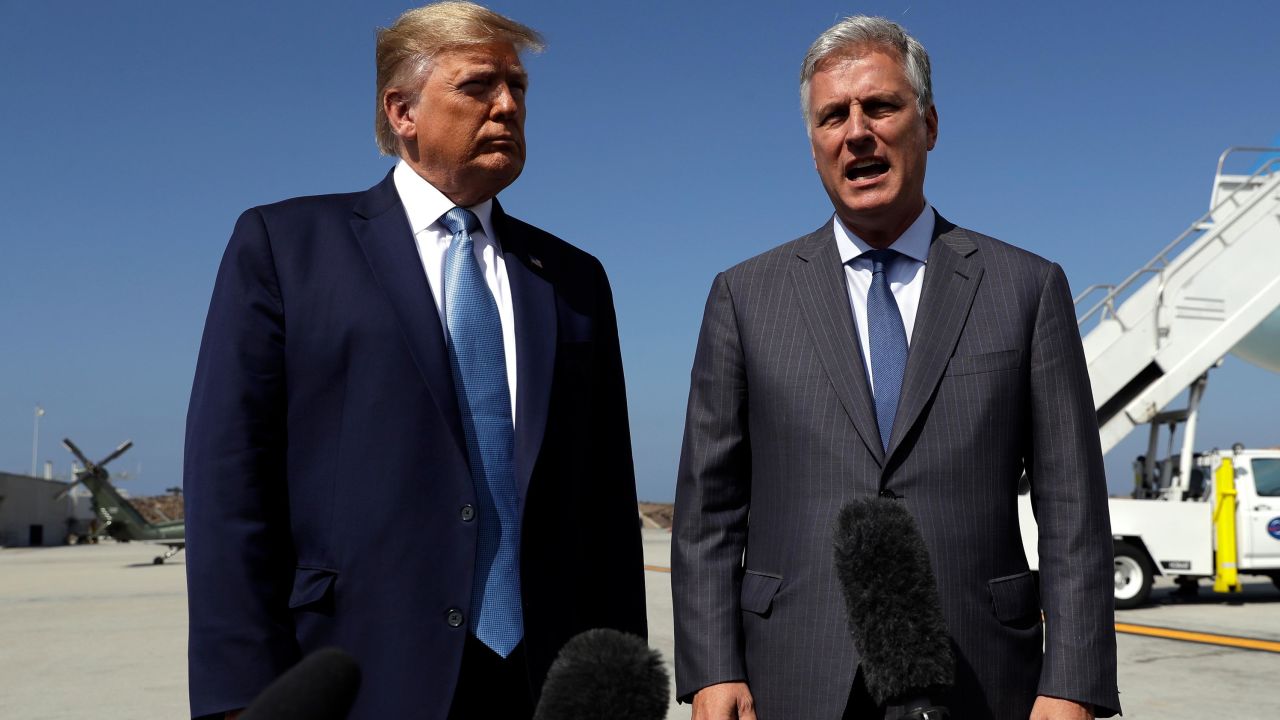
(321, 687)
(894, 613)
(604, 673)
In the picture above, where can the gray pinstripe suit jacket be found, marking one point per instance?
(781, 432)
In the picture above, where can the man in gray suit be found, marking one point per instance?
(888, 352)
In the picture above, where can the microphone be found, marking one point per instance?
(321, 687)
(604, 673)
(894, 613)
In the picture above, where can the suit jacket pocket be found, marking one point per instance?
(576, 348)
(986, 362)
(758, 590)
(1015, 598)
(311, 587)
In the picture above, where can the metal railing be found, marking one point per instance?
(1158, 264)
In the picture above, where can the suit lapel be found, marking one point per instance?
(951, 280)
(533, 299)
(818, 277)
(381, 228)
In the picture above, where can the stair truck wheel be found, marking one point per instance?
(1133, 576)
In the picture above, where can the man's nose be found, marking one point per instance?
(505, 103)
(858, 129)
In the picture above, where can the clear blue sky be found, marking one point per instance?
(664, 137)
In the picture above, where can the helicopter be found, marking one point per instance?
(122, 520)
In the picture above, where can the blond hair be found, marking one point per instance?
(405, 50)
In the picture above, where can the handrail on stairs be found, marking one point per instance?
(1222, 159)
(1164, 280)
(1090, 290)
(1107, 305)
(1093, 289)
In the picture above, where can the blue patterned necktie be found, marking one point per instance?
(479, 365)
(888, 341)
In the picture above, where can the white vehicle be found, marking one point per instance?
(1157, 534)
(1213, 290)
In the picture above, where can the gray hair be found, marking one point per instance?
(405, 50)
(853, 35)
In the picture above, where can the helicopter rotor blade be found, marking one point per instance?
(116, 453)
(66, 443)
(66, 490)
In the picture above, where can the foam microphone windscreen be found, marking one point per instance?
(892, 599)
(320, 687)
(604, 673)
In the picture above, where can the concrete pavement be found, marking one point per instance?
(98, 631)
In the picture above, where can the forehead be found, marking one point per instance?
(862, 69)
(496, 56)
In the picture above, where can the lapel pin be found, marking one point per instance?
(536, 262)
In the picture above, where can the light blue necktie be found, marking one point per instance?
(479, 365)
(888, 341)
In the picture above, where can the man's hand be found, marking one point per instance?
(724, 701)
(1052, 708)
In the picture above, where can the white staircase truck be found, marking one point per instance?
(1215, 289)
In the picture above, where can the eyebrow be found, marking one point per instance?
(885, 96)
(828, 106)
(875, 97)
(490, 68)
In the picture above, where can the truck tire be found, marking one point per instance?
(1133, 576)
(1275, 580)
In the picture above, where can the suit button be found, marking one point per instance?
(468, 513)
(455, 618)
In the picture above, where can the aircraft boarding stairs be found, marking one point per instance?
(1161, 330)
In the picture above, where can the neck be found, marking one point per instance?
(459, 193)
(881, 235)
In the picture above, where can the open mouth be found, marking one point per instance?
(866, 169)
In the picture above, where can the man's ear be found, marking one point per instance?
(931, 125)
(401, 114)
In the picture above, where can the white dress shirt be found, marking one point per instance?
(424, 205)
(905, 276)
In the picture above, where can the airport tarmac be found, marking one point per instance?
(98, 631)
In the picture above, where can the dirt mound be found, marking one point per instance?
(659, 513)
(159, 508)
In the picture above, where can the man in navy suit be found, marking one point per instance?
(408, 432)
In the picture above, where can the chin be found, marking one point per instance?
(504, 165)
(491, 170)
(867, 206)
(884, 198)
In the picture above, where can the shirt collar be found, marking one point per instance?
(914, 242)
(425, 205)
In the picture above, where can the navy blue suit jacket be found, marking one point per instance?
(326, 469)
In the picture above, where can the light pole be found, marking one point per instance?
(35, 439)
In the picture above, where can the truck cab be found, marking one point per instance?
(1258, 482)
(1181, 526)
